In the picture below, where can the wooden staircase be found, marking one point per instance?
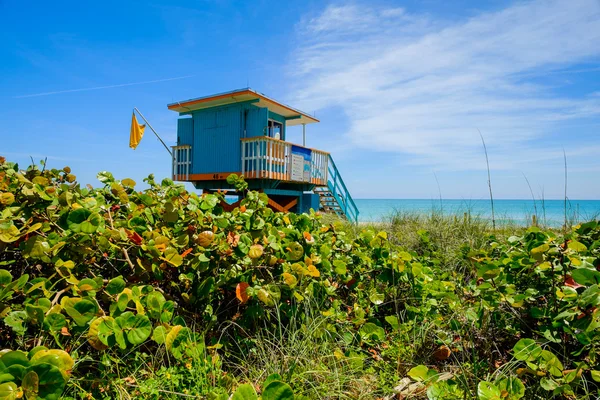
(335, 197)
(328, 201)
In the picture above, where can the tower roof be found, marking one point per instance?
(293, 116)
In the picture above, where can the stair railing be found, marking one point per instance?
(340, 192)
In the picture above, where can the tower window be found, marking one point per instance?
(275, 129)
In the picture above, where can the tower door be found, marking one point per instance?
(256, 122)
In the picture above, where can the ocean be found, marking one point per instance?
(549, 212)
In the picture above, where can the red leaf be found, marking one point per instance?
(185, 253)
(571, 283)
(240, 292)
(135, 238)
(442, 353)
(233, 239)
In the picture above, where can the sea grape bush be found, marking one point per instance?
(41, 373)
(86, 272)
(123, 268)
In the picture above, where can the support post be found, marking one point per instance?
(304, 135)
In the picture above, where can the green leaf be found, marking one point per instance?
(488, 271)
(122, 301)
(173, 258)
(166, 314)
(93, 334)
(128, 182)
(160, 334)
(81, 310)
(340, 267)
(590, 296)
(35, 314)
(37, 248)
(513, 386)
(8, 391)
(596, 375)
(51, 382)
(154, 302)
(488, 391)
(9, 234)
(551, 363)
(59, 358)
(91, 224)
(176, 335)
(76, 218)
(171, 214)
(538, 252)
(271, 378)
(244, 392)
(209, 202)
(16, 319)
(13, 358)
(585, 276)
(205, 288)
(265, 297)
(139, 330)
(35, 350)
(527, 350)
(548, 384)
(6, 377)
(105, 177)
(115, 286)
(295, 251)
(370, 331)
(418, 373)
(5, 277)
(376, 297)
(88, 285)
(577, 246)
(277, 390)
(393, 321)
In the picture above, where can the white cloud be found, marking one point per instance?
(412, 84)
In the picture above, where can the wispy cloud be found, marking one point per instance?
(101, 87)
(412, 84)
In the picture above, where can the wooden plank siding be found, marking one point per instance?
(231, 138)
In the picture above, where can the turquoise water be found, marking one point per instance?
(514, 211)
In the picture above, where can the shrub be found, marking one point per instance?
(100, 284)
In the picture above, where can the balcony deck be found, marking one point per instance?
(262, 158)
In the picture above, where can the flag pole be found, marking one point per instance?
(150, 126)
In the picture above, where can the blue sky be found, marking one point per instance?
(401, 88)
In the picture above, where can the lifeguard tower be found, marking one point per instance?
(243, 132)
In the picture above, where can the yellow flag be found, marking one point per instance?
(137, 131)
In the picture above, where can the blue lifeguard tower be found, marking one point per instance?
(243, 132)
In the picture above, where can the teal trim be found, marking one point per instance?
(281, 192)
(340, 192)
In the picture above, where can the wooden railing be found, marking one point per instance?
(266, 158)
(182, 162)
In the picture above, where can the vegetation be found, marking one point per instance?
(117, 293)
